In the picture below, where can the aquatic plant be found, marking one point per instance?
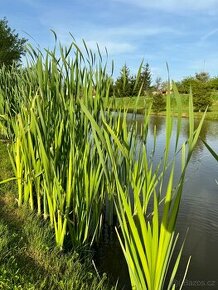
(78, 164)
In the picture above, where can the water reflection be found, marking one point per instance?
(156, 124)
(198, 212)
(206, 130)
(199, 207)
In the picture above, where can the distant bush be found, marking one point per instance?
(202, 98)
(158, 103)
(214, 96)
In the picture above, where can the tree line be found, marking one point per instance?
(202, 86)
(127, 85)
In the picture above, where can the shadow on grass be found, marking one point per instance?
(22, 261)
(29, 259)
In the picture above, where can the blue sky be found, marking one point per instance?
(183, 33)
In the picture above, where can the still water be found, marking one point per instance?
(198, 213)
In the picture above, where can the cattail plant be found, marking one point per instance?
(77, 164)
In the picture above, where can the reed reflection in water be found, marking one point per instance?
(198, 211)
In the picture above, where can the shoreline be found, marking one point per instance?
(141, 111)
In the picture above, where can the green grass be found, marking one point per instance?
(129, 103)
(212, 114)
(28, 256)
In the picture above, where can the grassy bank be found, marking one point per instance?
(144, 102)
(28, 256)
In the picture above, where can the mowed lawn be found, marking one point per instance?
(139, 104)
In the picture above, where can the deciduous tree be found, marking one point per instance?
(11, 45)
(158, 102)
(201, 97)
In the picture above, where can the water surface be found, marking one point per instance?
(198, 212)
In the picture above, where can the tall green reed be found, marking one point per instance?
(54, 158)
(147, 199)
(77, 164)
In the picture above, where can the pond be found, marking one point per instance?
(198, 212)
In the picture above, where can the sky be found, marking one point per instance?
(181, 33)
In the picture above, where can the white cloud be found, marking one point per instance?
(137, 30)
(117, 39)
(209, 34)
(173, 5)
(112, 47)
(104, 40)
